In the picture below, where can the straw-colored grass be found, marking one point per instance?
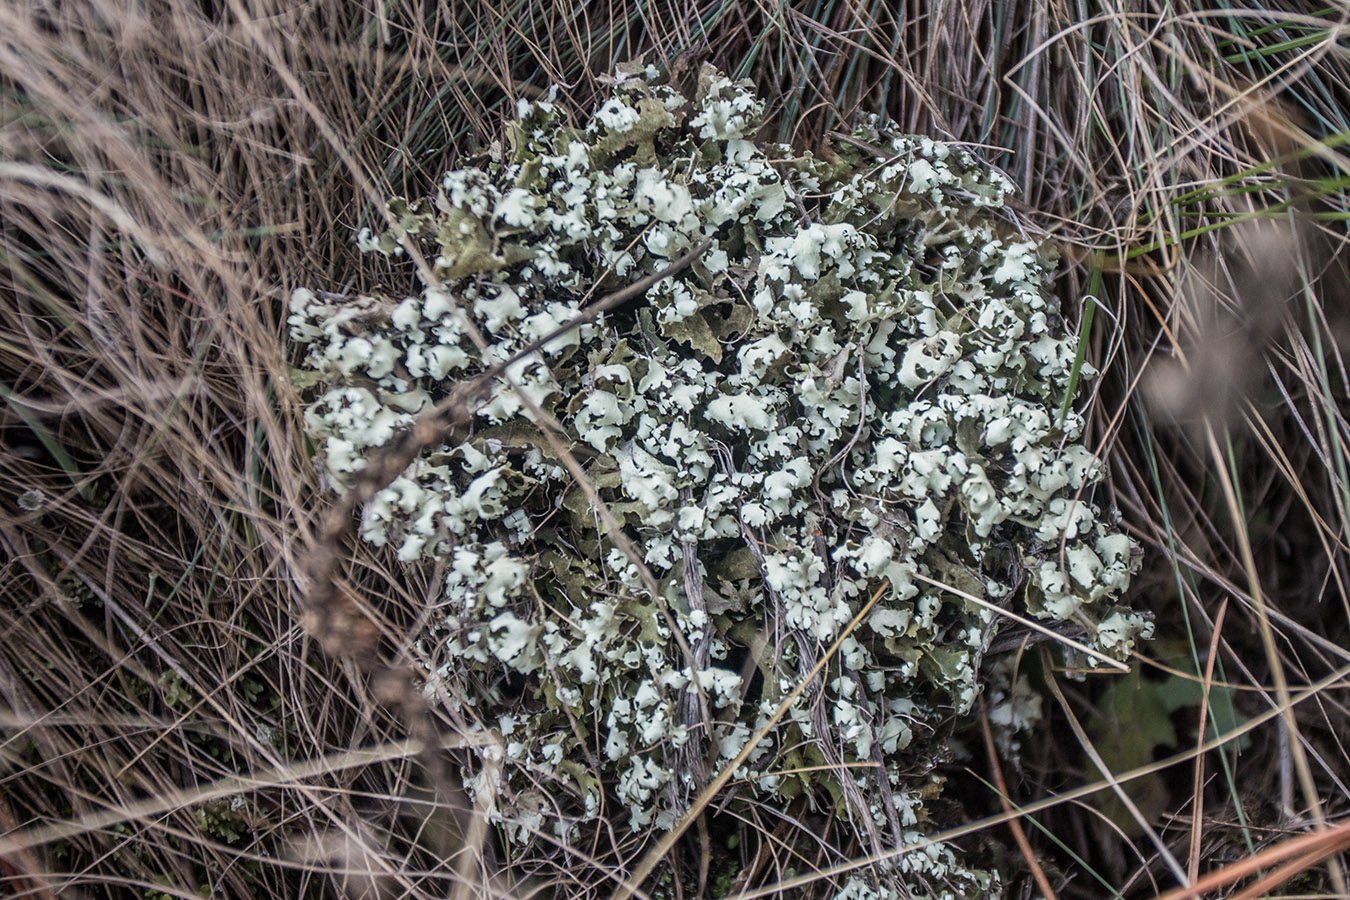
(169, 170)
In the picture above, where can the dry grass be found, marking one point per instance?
(168, 171)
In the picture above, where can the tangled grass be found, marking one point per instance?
(170, 728)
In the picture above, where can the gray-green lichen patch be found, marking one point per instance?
(853, 392)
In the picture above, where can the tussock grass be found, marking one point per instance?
(168, 171)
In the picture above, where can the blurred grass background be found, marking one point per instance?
(170, 170)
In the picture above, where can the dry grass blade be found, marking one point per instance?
(1198, 784)
(151, 808)
(1019, 835)
(1031, 624)
(1299, 854)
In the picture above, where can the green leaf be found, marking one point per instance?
(1223, 716)
(1131, 721)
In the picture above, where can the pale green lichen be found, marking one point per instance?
(857, 383)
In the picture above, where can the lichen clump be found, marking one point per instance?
(856, 387)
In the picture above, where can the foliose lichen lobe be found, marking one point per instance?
(854, 391)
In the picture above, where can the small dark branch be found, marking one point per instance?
(693, 711)
(880, 779)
